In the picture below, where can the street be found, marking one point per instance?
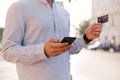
(95, 65)
(87, 65)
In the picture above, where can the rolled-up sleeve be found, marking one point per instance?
(78, 45)
(12, 48)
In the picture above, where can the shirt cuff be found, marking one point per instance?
(83, 41)
(41, 52)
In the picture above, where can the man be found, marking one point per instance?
(32, 37)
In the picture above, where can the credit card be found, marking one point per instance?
(103, 19)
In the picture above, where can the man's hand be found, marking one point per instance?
(94, 31)
(54, 48)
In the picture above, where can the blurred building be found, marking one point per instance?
(111, 29)
(60, 2)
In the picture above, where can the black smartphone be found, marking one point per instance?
(103, 19)
(70, 40)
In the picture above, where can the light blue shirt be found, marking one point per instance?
(29, 25)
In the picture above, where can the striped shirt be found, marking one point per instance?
(29, 25)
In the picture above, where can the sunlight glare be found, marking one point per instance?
(4, 6)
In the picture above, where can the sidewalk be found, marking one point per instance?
(95, 65)
(7, 71)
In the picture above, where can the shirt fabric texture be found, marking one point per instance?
(29, 24)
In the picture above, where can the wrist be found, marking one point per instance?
(45, 52)
(86, 38)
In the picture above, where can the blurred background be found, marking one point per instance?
(101, 59)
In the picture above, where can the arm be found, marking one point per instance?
(91, 33)
(12, 43)
(78, 45)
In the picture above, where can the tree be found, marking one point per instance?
(82, 27)
(1, 33)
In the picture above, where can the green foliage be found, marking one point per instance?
(1, 33)
(82, 27)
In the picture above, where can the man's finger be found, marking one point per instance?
(97, 30)
(98, 26)
(54, 40)
(96, 34)
(59, 45)
(61, 51)
(63, 48)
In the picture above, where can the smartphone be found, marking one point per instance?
(103, 19)
(70, 40)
